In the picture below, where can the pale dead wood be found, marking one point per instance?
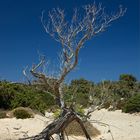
(72, 35)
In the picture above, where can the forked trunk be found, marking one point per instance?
(58, 127)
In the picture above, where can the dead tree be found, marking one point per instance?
(72, 33)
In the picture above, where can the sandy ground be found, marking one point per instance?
(13, 129)
(122, 126)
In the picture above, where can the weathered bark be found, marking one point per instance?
(59, 125)
(72, 37)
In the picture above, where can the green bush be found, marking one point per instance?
(13, 95)
(106, 105)
(21, 113)
(79, 89)
(6, 94)
(133, 104)
(120, 104)
(57, 113)
(79, 109)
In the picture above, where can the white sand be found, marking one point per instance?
(123, 126)
(12, 128)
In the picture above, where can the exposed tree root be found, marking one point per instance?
(58, 127)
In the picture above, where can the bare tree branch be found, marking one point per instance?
(26, 76)
(103, 98)
(72, 34)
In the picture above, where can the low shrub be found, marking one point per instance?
(22, 113)
(79, 109)
(74, 129)
(106, 105)
(132, 105)
(57, 113)
(13, 95)
(2, 114)
(120, 104)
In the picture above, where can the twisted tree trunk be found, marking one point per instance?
(72, 36)
(59, 125)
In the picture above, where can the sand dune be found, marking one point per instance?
(122, 126)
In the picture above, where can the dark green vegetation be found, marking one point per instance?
(114, 94)
(122, 94)
(21, 113)
(133, 104)
(13, 95)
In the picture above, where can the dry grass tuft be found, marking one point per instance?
(75, 129)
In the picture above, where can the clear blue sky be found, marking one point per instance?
(105, 57)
